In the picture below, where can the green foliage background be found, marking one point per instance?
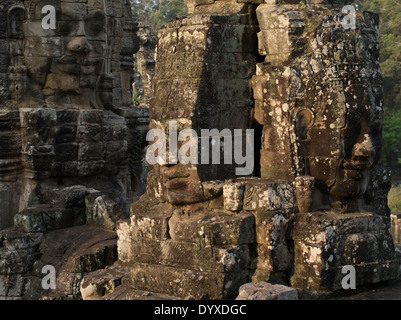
(158, 12)
(394, 199)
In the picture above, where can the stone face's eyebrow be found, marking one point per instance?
(73, 12)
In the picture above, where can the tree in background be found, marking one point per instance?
(158, 12)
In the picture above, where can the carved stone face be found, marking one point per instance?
(181, 184)
(341, 151)
(186, 183)
(65, 73)
(72, 63)
(342, 143)
(201, 92)
(321, 111)
(361, 151)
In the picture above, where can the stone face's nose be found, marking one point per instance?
(364, 148)
(78, 44)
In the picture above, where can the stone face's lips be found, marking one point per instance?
(175, 171)
(360, 164)
(91, 62)
(70, 64)
(67, 60)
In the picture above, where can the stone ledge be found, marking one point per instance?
(186, 283)
(125, 292)
(233, 258)
(266, 291)
(43, 218)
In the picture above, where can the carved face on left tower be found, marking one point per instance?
(67, 64)
(71, 66)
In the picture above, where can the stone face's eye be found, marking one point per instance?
(351, 133)
(376, 127)
(376, 134)
(95, 24)
(303, 122)
(65, 27)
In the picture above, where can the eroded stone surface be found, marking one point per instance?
(334, 240)
(266, 291)
(65, 130)
(316, 202)
(318, 100)
(144, 64)
(62, 92)
(73, 252)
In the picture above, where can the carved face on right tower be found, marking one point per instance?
(340, 149)
(322, 111)
(344, 141)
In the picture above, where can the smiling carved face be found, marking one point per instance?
(71, 63)
(362, 140)
(341, 142)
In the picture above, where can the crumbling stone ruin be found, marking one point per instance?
(315, 202)
(144, 65)
(144, 71)
(66, 149)
(330, 89)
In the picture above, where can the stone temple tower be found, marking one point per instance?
(296, 84)
(305, 76)
(66, 116)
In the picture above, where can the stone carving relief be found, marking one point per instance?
(324, 95)
(310, 89)
(318, 112)
(64, 93)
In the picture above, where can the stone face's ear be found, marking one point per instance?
(303, 121)
(105, 92)
(304, 188)
(15, 19)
